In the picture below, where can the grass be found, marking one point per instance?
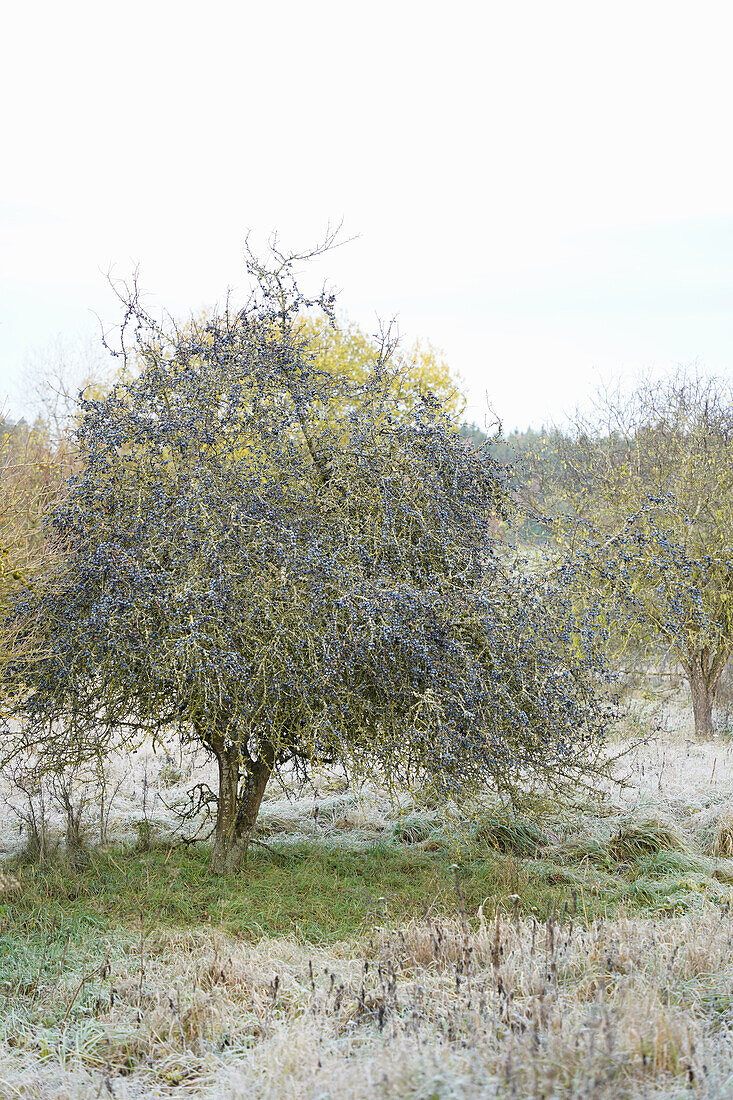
(644, 836)
(589, 957)
(326, 894)
(431, 1008)
(321, 894)
(505, 834)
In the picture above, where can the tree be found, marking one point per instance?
(56, 374)
(36, 461)
(32, 476)
(343, 347)
(260, 554)
(650, 488)
(531, 458)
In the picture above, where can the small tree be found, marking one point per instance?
(649, 484)
(260, 555)
(56, 374)
(33, 473)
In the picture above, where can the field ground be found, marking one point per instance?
(374, 951)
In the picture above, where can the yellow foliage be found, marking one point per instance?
(347, 349)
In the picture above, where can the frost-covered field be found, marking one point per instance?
(633, 1007)
(482, 1003)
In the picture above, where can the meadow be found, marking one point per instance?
(374, 949)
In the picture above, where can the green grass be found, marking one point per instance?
(523, 838)
(318, 893)
(325, 894)
(642, 837)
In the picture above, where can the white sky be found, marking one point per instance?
(543, 190)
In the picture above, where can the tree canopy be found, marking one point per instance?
(275, 559)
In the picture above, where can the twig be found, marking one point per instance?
(82, 983)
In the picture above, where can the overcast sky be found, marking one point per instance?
(542, 190)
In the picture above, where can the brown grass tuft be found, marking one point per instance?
(638, 837)
(722, 838)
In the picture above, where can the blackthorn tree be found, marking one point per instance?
(260, 555)
(646, 494)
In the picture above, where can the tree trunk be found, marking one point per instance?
(702, 708)
(241, 787)
(703, 673)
